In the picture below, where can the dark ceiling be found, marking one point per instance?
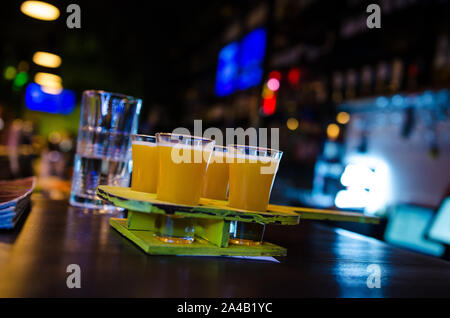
(141, 48)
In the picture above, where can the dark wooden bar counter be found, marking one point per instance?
(321, 262)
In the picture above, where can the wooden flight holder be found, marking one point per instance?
(211, 220)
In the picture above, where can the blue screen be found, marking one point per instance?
(440, 229)
(240, 63)
(37, 99)
(407, 226)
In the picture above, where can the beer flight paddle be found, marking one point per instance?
(189, 196)
(211, 219)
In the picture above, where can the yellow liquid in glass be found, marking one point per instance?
(216, 180)
(145, 166)
(181, 173)
(249, 187)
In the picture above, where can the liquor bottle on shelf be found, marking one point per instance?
(396, 76)
(412, 77)
(381, 83)
(441, 62)
(350, 89)
(366, 81)
(338, 81)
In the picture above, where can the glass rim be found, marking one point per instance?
(184, 136)
(101, 92)
(261, 149)
(133, 136)
(221, 148)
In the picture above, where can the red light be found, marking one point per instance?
(412, 70)
(273, 84)
(269, 106)
(275, 74)
(294, 76)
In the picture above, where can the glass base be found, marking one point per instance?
(174, 229)
(175, 240)
(93, 203)
(248, 234)
(244, 242)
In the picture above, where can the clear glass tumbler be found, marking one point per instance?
(103, 156)
(252, 173)
(183, 161)
(216, 179)
(144, 177)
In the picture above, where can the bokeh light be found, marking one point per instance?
(275, 74)
(20, 79)
(40, 10)
(343, 118)
(10, 72)
(292, 123)
(294, 76)
(48, 80)
(46, 59)
(333, 131)
(273, 84)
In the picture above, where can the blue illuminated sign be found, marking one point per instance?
(39, 100)
(240, 64)
(227, 69)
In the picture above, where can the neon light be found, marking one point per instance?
(227, 69)
(275, 74)
(269, 106)
(251, 56)
(294, 76)
(37, 99)
(240, 63)
(273, 84)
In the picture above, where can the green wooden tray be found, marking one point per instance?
(207, 209)
(149, 244)
(211, 219)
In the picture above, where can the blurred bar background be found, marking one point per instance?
(363, 113)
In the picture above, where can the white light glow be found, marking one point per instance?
(368, 184)
(356, 198)
(357, 175)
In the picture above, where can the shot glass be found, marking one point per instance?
(252, 173)
(144, 177)
(183, 161)
(217, 175)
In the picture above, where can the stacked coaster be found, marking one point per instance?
(14, 200)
